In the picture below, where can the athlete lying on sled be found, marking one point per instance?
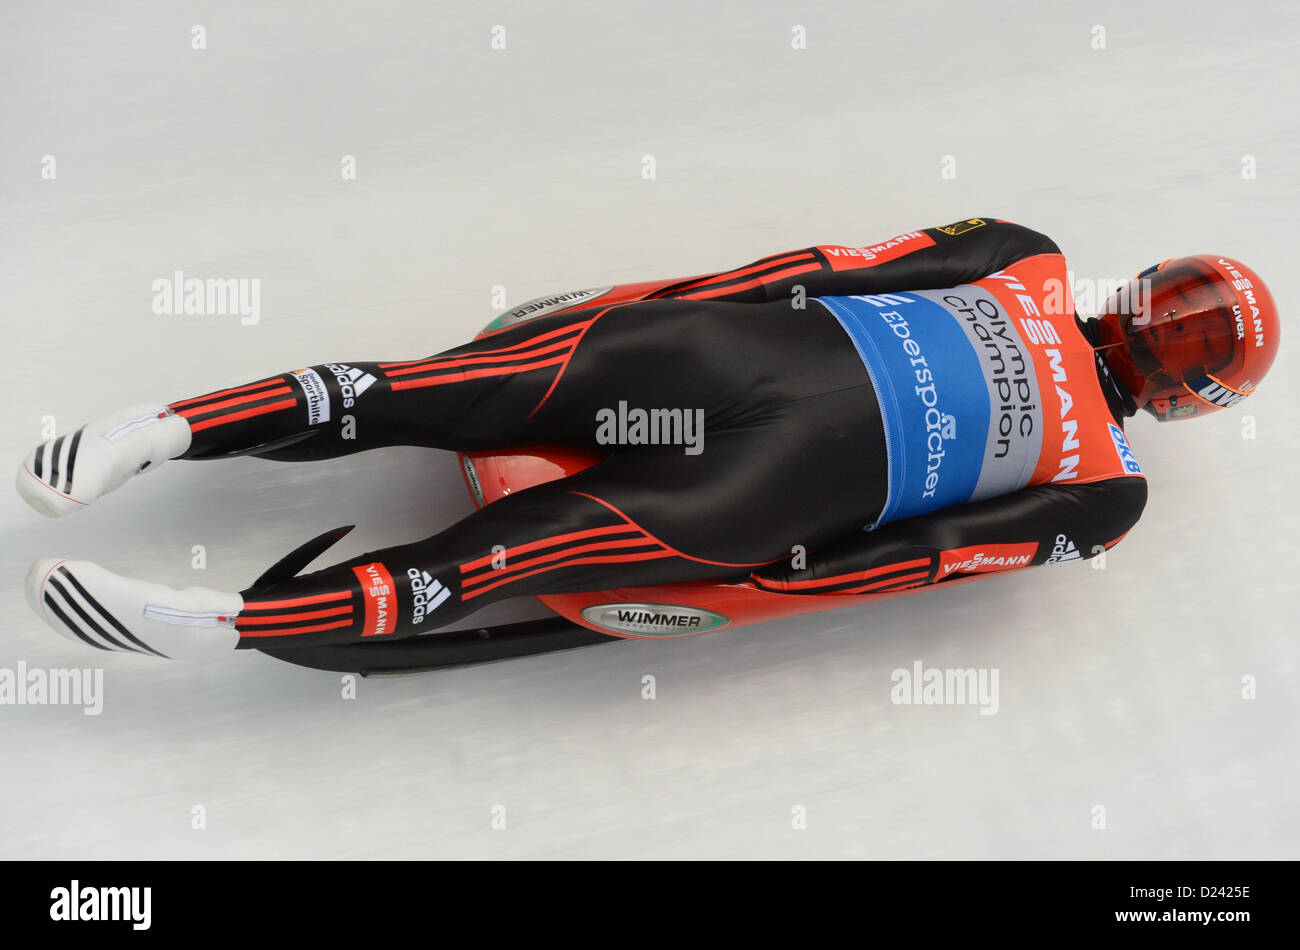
(937, 390)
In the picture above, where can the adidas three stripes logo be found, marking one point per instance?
(86, 618)
(56, 461)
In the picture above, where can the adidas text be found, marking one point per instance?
(427, 594)
(352, 382)
(1063, 549)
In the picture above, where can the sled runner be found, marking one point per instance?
(437, 651)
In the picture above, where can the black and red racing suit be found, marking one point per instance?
(908, 412)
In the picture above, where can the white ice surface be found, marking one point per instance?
(522, 167)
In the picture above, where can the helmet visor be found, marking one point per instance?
(1184, 328)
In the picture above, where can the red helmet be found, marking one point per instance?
(1198, 338)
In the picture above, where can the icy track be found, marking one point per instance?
(522, 167)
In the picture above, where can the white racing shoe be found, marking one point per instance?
(67, 473)
(84, 602)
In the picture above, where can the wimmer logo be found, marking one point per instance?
(544, 305)
(653, 620)
(73, 903)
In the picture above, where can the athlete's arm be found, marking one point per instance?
(1032, 526)
(944, 256)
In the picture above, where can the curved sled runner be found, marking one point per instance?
(439, 651)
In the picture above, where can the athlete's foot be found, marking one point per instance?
(86, 603)
(67, 473)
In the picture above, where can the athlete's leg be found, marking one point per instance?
(539, 382)
(474, 395)
(802, 473)
(798, 474)
(479, 395)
